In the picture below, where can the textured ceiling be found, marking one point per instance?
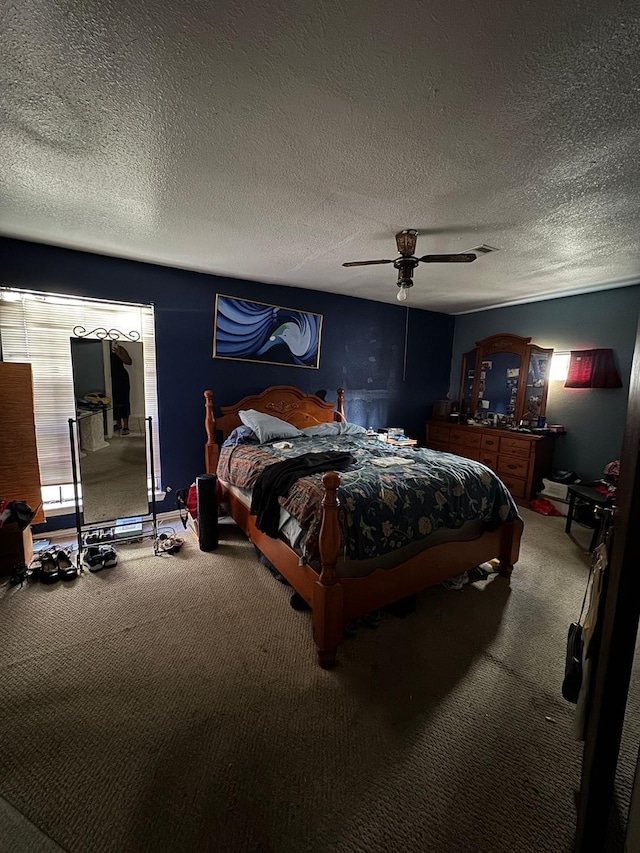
(272, 141)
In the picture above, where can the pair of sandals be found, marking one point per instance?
(121, 430)
(53, 565)
(167, 543)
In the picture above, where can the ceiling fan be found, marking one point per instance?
(407, 262)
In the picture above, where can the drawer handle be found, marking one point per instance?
(513, 467)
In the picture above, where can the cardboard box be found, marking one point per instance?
(16, 547)
(555, 490)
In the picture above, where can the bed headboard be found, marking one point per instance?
(282, 401)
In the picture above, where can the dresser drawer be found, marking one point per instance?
(515, 447)
(438, 445)
(513, 467)
(466, 452)
(461, 437)
(517, 487)
(438, 433)
(491, 442)
(489, 459)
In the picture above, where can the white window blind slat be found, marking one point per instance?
(37, 328)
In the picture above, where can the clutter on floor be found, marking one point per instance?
(51, 563)
(477, 573)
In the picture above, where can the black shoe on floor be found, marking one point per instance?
(19, 574)
(109, 556)
(49, 572)
(65, 567)
(298, 602)
(373, 619)
(350, 630)
(92, 558)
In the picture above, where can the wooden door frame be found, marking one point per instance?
(612, 666)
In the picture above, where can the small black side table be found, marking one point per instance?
(591, 496)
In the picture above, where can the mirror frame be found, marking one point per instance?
(94, 510)
(466, 366)
(517, 345)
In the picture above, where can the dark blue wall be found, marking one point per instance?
(362, 349)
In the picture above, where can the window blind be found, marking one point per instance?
(37, 328)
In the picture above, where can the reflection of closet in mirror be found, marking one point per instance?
(108, 380)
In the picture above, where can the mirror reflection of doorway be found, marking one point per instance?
(108, 381)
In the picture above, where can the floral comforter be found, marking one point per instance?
(390, 497)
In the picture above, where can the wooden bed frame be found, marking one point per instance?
(334, 600)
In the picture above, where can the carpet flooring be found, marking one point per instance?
(173, 703)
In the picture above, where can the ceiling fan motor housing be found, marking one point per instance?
(405, 267)
(406, 241)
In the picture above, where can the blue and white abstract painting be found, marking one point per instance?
(253, 331)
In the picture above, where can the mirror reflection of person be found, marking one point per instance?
(120, 388)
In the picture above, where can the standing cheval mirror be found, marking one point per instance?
(108, 383)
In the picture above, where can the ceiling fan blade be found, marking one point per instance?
(366, 263)
(461, 258)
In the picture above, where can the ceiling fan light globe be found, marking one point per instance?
(402, 294)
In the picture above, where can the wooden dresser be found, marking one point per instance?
(521, 460)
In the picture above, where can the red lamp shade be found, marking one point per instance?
(592, 368)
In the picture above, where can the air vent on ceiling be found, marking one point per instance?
(483, 249)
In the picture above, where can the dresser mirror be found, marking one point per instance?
(108, 383)
(505, 379)
(535, 397)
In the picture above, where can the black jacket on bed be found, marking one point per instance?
(276, 480)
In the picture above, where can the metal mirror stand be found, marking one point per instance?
(148, 523)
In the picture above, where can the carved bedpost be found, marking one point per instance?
(340, 406)
(509, 547)
(327, 593)
(211, 452)
(330, 535)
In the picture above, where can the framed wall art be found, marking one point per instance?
(254, 331)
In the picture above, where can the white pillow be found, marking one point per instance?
(266, 427)
(333, 428)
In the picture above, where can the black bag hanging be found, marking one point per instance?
(573, 665)
(572, 680)
(206, 486)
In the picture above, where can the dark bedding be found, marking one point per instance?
(389, 497)
(276, 481)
